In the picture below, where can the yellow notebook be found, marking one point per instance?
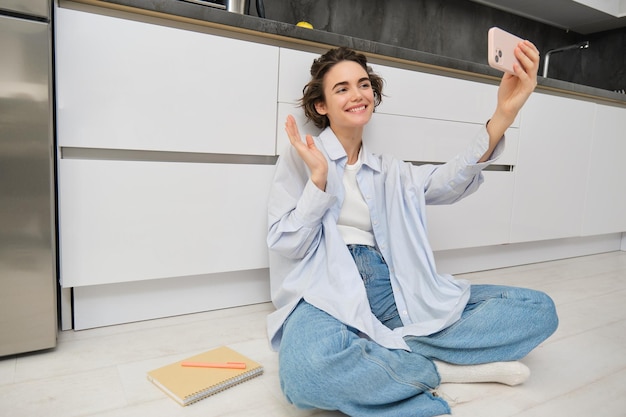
(188, 384)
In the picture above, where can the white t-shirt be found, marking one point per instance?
(354, 223)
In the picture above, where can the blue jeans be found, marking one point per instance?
(325, 364)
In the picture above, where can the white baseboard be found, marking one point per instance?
(491, 257)
(104, 305)
(65, 303)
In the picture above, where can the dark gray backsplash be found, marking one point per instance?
(458, 29)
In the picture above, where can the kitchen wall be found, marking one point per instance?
(458, 29)
(604, 63)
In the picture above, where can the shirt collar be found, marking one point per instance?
(335, 150)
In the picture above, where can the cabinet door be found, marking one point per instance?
(123, 84)
(605, 202)
(124, 221)
(552, 168)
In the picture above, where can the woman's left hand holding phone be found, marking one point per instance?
(312, 157)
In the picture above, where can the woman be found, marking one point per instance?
(364, 323)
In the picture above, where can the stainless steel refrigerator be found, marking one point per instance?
(28, 284)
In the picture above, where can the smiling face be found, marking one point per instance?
(348, 97)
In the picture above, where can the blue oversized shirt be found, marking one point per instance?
(309, 259)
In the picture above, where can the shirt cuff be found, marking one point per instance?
(480, 146)
(313, 203)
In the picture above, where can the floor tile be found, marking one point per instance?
(77, 394)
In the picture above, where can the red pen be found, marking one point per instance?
(227, 365)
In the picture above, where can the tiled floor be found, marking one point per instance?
(580, 371)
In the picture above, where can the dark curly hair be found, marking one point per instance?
(313, 92)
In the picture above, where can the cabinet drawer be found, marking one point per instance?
(481, 219)
(427, 140)
(126, 221)
(123, 84)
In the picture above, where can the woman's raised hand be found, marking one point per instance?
(515, 89)
(513, 92)
(312, 157)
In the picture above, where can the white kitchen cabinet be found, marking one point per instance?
(134, 234)
(420, 122)
(124, 84)
(552, 168)
(605, 202)
(125, 221)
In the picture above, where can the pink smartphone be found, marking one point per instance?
(501, 45)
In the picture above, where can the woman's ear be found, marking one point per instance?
(320, 108)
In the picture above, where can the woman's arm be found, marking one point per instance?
(297, 202)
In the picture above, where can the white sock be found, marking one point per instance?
(509, 373)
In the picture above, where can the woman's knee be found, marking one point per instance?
(295, 380)
(549, 316)
(307, 375)
(534, 309)
(307, 356)
(541, 312)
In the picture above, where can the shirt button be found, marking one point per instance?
(405, 313)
